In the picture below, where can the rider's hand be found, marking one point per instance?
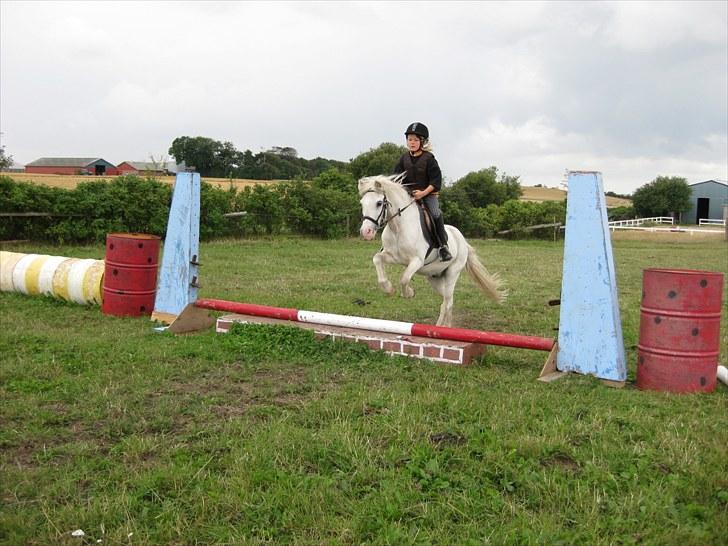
(418, 194)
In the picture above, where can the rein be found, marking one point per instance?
(383, 213)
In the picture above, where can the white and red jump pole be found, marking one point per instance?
(379, 325)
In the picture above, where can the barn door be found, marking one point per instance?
(703, 209)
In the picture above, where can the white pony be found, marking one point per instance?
(386, 204)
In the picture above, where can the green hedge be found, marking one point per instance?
(326, 207)
(513, 216)
(86, 213)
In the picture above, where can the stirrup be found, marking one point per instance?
(445, 255)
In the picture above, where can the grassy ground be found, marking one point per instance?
(267, 436)
(714, 234)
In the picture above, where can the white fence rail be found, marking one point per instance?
(634, 222)
(638, 224)
(654, 229)
(711, 222)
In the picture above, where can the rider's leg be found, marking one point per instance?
(442, 234)
(433, 205)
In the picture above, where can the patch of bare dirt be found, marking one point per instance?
(561, 460)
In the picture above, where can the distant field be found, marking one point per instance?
(71, 181)
(554, 194)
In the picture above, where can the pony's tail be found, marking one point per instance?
(491, 284)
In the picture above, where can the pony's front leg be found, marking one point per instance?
(413, 267)
(379, 259)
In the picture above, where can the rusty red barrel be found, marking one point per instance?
(679, 330)
(130, 274)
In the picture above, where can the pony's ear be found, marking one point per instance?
(398, 178)
(361, 185)
(378, 184)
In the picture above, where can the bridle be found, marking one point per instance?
(382, 220)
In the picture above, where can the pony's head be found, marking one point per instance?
(376, 194)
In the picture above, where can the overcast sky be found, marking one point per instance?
(632, 89)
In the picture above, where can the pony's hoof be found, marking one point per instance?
(387, 288)
(408, 292)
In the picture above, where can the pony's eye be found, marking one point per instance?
(379, 203)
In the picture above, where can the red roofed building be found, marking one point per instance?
(142, 168)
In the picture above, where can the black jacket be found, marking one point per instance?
(422, 171)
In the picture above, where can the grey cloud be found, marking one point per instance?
(532, 88)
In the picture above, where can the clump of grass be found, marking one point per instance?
(252, 342)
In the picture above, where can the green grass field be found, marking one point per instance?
(267, 436)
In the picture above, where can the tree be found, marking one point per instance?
(158, 164)
(264, 208)
(225, 161)
(199, 152)
(284, 150)
(5, 160)
(482, 188)
(212, 158)
(334, 179)
(664, 196)
(317, 211)
(379, 160)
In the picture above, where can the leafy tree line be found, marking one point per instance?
(326, 207)
(481, 204)
(477, 190)
(216, 159)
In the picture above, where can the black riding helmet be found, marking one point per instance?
(419, 129)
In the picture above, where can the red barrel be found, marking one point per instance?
(679, 330)
(130, 274)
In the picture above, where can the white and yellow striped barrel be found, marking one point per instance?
(7, 264)
(71, 279)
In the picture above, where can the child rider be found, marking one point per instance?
(424, 178)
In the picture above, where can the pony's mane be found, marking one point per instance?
(389, 185)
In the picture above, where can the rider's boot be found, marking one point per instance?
(442, 236)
